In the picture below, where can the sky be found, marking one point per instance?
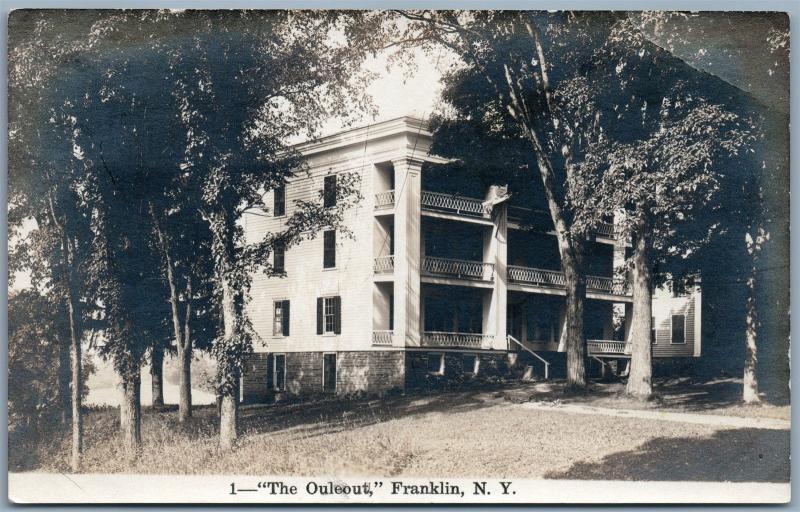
(398, 92)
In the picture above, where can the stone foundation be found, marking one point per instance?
(373, 372)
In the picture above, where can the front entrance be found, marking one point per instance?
(329, 373)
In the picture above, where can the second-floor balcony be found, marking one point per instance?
(384, 265)
(459, 269)
(557, 280)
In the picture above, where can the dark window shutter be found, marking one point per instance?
(285, 318)
(319, 315)
(337, 316)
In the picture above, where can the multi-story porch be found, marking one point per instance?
(438, 248)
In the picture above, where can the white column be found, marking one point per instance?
(407, 260)
(496, 252)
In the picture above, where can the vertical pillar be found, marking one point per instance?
(496, 251)
(407, 264)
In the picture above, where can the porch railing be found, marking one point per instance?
(384, 199)
(455, 339)
(605, 347)
(382, 337)
(464, 269)
(541, 277)
(556, 279)
(452, 202)
(384, 265)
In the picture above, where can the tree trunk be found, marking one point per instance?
(64, 398)
(182, 340)
(750, 381)
(131, 415)
(640, 379)
(229, 417)
(75, 362)
(157, 376)
(569, 250)
(228, 384)
(185, 360)
(573, 325)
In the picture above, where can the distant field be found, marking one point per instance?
(104, 390)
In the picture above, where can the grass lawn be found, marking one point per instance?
(455, 434)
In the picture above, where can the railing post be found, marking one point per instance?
(407, 228)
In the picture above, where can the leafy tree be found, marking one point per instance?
(660, 182)
(688, 158)
(238, 124)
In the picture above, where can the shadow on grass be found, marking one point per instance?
(310, 419)
(743, 455)
(694, 395)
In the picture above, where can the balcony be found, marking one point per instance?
(383, 265)
(452, 203)
(384, 200)
(605, 347)
(556, 279)
(456, 339)
(459, 269)
(382, 337)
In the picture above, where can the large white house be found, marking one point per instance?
(429, 285)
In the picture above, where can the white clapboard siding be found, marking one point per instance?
(663, 309)
(352, 279)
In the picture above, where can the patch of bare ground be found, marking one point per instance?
(455, 434)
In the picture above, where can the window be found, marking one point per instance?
(653, 330)
(469, 363)
(678, 328)
(279, 203)
(279, 372)
(279, 258)
(329, 192)
(329, 248)
(329, 315)
(329, 373)
(280, 326)
(436, 364)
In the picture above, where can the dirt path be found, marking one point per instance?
(681, 417)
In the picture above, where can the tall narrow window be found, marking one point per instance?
(279, 372)
(329, 315)
(279, 204)
(329, 192)
(280, 325)
(678, 328)
(279, 258)
(329, 249)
